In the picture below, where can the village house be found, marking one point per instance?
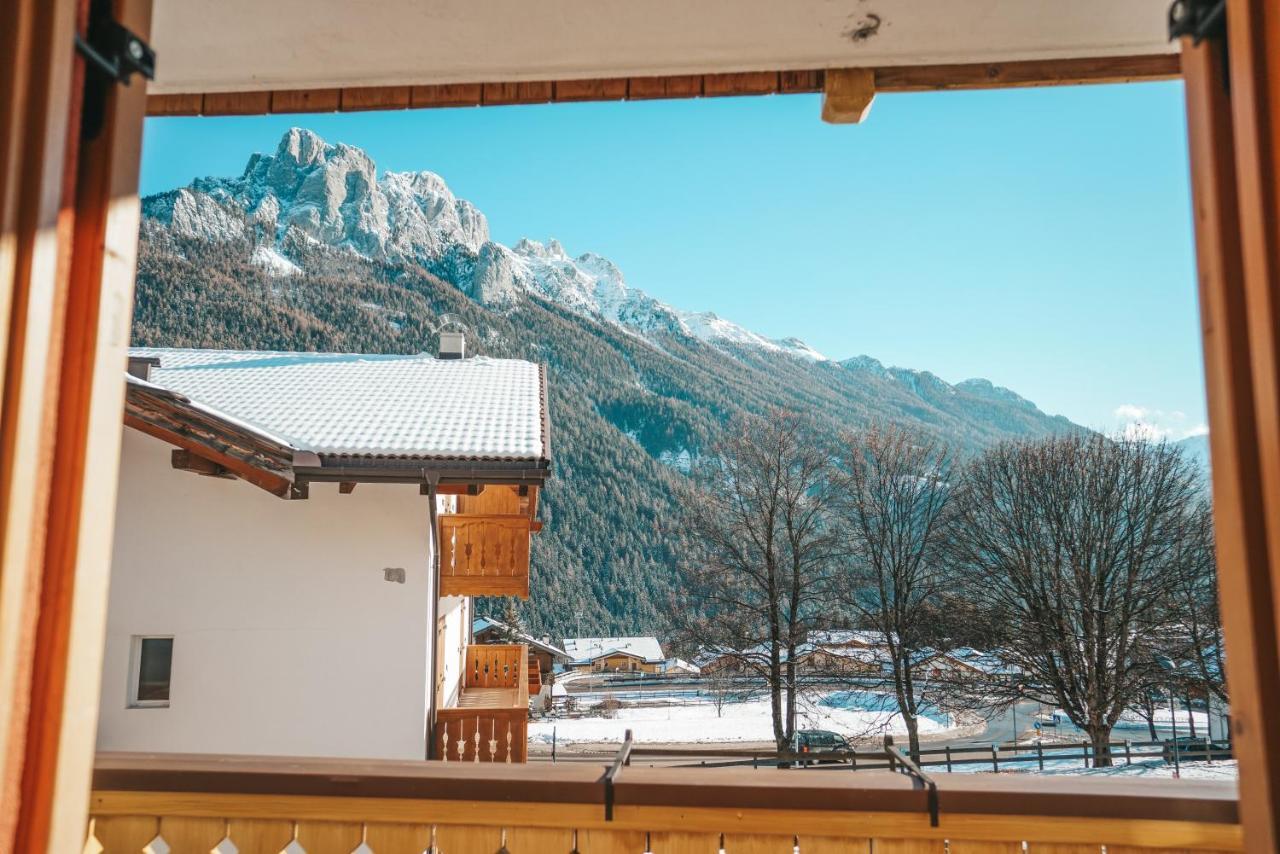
(615, 655)
(298, 538)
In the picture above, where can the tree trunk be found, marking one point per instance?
(913, 734)
(1191, 718)
(775, 699)
(790, 729)
(907, 707)
(1100, 739)
(1149, 715)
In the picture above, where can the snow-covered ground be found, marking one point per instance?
(1181, 719)
(694, 721)
(1149, 768)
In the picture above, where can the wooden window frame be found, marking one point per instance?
(68, 228)
(136, 643)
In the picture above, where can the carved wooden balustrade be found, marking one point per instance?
(491, 721)
(261, 806)
(485, 555)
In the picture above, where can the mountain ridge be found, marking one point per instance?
(330, 194)
(295, 255)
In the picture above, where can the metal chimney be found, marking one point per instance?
(453, 345)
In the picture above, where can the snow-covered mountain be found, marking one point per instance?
(310, 192)
(312, 249)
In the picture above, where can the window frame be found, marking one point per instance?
(135, 673)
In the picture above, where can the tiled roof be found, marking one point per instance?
(583, 650)
(346, 405)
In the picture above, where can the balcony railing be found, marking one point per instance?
(491, 721)
(485, 555)
(261, 805)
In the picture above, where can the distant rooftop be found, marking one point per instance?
(349, 405)
(482, 624)
(583, 650)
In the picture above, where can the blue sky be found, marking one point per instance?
(1040, 238)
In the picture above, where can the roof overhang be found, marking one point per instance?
(272, 464)
(249, 454)
(248, 46)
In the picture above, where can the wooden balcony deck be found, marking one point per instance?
(491, 721)
(330, 806)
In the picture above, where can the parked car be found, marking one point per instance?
(819, 741)
(1194, 748)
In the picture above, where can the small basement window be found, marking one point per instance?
(149, 672)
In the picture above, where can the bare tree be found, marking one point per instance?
(1074, 544)
(723, 687)
(891, 497)
(755, 515)
(1197, 607)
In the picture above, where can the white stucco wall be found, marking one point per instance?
(287, 638)
(455, 615)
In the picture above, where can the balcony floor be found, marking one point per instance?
(489, 698)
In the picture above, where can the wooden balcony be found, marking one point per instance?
(261, 804)
(491, 721)
(535, 676)
(485, 555)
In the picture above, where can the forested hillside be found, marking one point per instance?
(311, 250)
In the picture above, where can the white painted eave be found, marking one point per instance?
(248, 45)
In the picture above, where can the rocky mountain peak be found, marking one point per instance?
(312, 192)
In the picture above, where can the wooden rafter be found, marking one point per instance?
(911, 78)
(196, 464)
(228, 446)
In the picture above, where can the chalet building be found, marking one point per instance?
(615, 655)
(298, 536)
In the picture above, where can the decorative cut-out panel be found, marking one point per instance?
(484, 555)
(156, 846)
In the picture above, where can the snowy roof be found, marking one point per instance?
(680, 664)
(583, 650)
(846, 637)
(480, 624)
(350, 405)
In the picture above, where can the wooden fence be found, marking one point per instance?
(992, 755)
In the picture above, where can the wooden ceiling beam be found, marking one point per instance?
(897, 78)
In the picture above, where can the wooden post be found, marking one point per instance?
(948, 759)
(67, 252)
(1234, 153)
(36, 214)
(995, 759)
(1085, 745)
(1128, 757)
(1040, 754)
